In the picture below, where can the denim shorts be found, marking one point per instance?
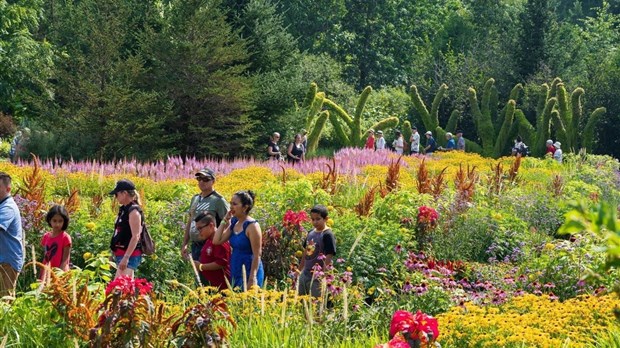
(134, 261)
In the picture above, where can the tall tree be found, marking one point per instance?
(535, 25)
(25, 62)
(199, 63)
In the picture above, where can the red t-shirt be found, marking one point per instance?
(550, 149)
(53, 248)
(370, 143)
(219, 254)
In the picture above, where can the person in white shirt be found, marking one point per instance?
(557, 155)
(380, 142)
(415, 141)
(399, 143)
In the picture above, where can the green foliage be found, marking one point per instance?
(535, 25)
(26, 60)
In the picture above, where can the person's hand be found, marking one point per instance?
(184, 253)
(122, 266)
(197, 264)
(228, 216)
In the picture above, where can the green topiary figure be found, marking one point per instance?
(568, 120)
(494, 128)
(348, 129)
(431, 119)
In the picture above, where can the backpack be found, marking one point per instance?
(147, 243)
(523, 150)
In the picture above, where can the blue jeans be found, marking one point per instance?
(134, 261)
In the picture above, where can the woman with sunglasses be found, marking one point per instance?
(208, 201)
(245, 236)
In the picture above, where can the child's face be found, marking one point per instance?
(318, 221)
(56, 222)
(206, 231)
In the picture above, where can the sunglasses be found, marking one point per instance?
(203, 179)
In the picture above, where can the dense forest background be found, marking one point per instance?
(140, 78)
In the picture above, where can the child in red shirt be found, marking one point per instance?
(57, 243)
(214, 261)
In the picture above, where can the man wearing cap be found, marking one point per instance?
(207, 201)
(11, 238)
(431, 144)
(370, 141)
(415, 141)
(460, 141)
(380, 142)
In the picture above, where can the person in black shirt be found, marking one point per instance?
(273, 150)
(296, 150)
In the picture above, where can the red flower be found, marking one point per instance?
(398, 341)
(293, 219)
(128, 286)
(420, 327)
(427, 215)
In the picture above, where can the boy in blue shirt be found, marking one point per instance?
(319, 249)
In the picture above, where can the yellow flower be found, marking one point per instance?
(330, 222)
(349, 269)
(549, 246)
(371, 291)
(87, 256)
(380, 233)
(299, 253)
(90, 225)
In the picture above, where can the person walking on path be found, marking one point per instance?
(273, 150)
(11, 239)
(431, 144)
(460, 141)
(370, 141)
(380, 141)
(415, 141)
(296, 150)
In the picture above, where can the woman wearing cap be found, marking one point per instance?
(246, 240)
(125, 243)
(380, 141)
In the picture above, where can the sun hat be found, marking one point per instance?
(122, 185)
(428, 133)
(557, 144)
(379, 132)
(448, 134)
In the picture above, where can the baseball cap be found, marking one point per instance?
(428, 133)
(206, 171)
(122, 185)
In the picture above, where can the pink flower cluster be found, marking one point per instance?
(427, 216)
(129, 286)
(406, 326)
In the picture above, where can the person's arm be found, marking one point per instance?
(188, 225)
(211, 266)
(223, 232)
(290, 150)
(271, 153)
(256, 240)
(329, 248)
(135, 223)
(221, 255)
(64, 263)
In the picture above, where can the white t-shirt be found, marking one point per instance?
(557, 155)
(415, 142)
(398, 145)
(380, 143)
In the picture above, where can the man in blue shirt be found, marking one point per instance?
(11, 239)
(431, 144)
